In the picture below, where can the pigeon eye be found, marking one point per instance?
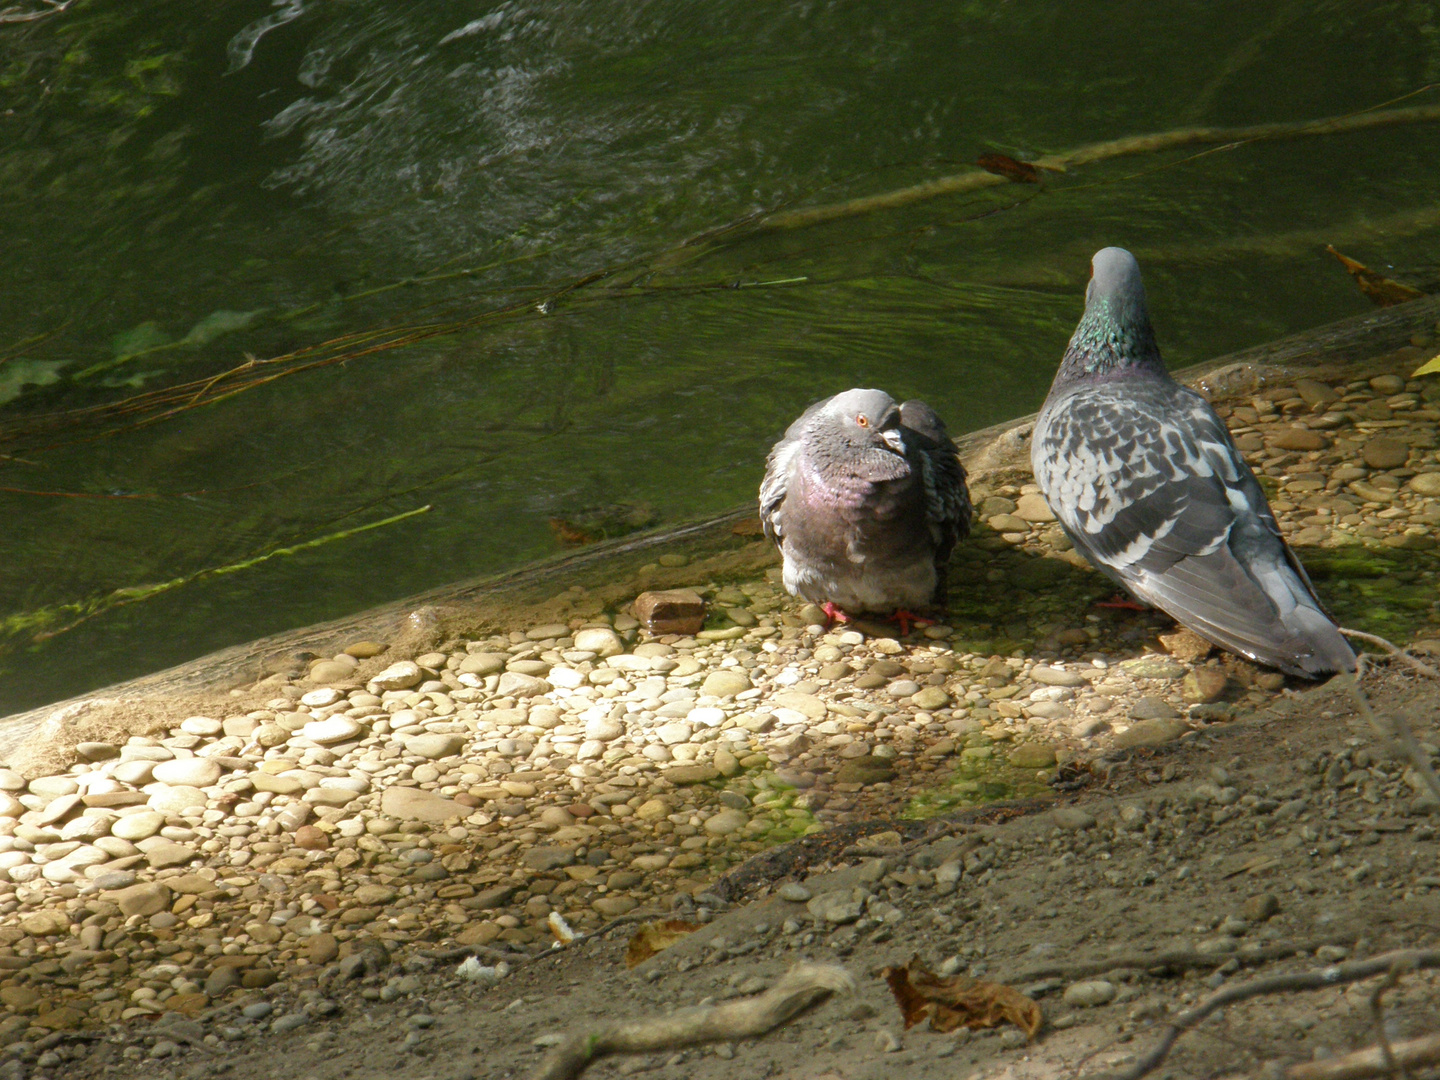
(862, 420)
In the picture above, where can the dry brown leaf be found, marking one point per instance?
(653, 937)
(959, 1001)
(1382, 291)
(1021, 172)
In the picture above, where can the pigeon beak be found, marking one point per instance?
(894, 440)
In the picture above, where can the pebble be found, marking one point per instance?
(1089, 993)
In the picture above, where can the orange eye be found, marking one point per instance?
(862, 420)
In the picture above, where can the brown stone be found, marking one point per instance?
(1385, 453)
(865, 770)
(358, 916)
(322, 948)
(1151, 733)
(481, 933)
(671, 611)
(1204, 685)
(364, 650)
(188, 1004)
(691, 774)
(1298, 438)
(60, 1018)
(258, 978)
(311, 839)
(1186, 646)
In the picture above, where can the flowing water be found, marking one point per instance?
(407, 190)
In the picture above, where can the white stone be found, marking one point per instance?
(600, 640)
(10, 807)
(672, 734)
(137, 826)
(334, 729)
(566, 677)
(86, 828)
(401, 676)
(187, 772)
(174, 800)
(10, 780)
(134, 772)
(358, 784)
(726, 821)
(52, 787)
(329, 796)
(590, 750)
(706, 716)
(604, 729)
(201, 725)
(318, 699)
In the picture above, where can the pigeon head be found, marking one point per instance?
(860, 420)
(1114, 337)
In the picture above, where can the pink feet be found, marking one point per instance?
(907, 619)
(836, 615)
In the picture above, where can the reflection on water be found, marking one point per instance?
(191, 188)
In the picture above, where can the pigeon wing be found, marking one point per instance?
(1149, 485)
(779, 467)
(947, 499)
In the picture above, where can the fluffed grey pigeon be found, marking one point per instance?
(866, 499)
(1147, 483)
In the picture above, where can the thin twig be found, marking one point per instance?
(1394, 650)
(803, 986)
(1171, 960)
(1377, 1013)
(1400, 731)
(1337, 975)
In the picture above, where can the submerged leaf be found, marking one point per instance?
(219, 323)
(654, 937)
(1430, 367)
(1021, 172)
(142, 338)
(1382, 291)
(958, 1001)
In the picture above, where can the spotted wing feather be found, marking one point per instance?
(1149, 485)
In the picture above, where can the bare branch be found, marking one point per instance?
(803, 986)
(1326, 977)
(1371, 1061)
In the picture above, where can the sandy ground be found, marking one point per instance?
(1285, 842)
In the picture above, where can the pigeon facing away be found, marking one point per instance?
(1146, 481)
(866, 499)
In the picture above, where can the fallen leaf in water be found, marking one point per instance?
(747, 527)
(1430, 367)
(1021, 172)
(654, 937)
(958, 1001)
(568, 533)
(1382, 291)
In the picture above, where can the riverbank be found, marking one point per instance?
(294, 854)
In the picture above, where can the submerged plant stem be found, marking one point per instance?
(38, 623)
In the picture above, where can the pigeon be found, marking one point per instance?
(865, 500)
(1147, 483)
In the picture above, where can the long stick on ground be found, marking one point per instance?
(1339, 975)
(1371, 1061)
(802, 986)
(976, 179)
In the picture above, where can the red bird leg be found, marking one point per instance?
(1122, 603)
(906, 619)
(836, 615)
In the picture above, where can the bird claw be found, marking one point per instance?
(907, 619)
(834, 613)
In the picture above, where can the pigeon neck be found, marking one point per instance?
(1112, 341)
